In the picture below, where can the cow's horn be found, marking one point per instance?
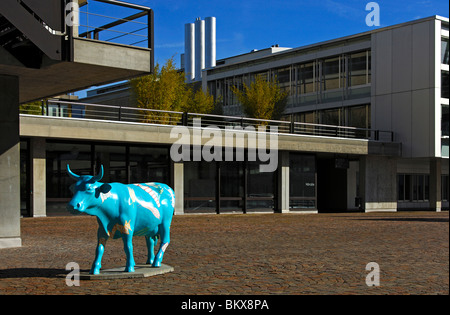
(72, 174)
(99, 176)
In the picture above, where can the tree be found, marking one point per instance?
(262, 99)
(162, 90)
(33, 108)
(166, 90)
(199, 102)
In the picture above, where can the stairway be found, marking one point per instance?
(24, 33)
(18, 45)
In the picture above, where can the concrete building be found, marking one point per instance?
(43, 54)
(393, 78)
(366, 129)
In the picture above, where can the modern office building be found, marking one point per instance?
(366, 129)
(394, 78)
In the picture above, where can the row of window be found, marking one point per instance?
(309, 82)
(354, 116)
(241, 186)
(416, 187)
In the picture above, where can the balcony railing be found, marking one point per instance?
(102, 20)
(76, 110)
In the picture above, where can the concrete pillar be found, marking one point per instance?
(178, 186)
(435, 184)
(283, 181)
(378, 183)
(38, 178)
(9, 162)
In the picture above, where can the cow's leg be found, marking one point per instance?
(101, 242)
(151, 241)
(165, 240)
(128, 247)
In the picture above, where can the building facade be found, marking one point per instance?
(394, 78)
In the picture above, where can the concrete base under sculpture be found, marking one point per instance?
(141, 271)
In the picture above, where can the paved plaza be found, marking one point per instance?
(254, 254)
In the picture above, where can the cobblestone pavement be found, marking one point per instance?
(254, 254)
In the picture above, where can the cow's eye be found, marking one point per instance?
(90, 189)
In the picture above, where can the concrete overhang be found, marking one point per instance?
(126, 132)
(95, 63)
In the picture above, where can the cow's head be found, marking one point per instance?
(86, 192)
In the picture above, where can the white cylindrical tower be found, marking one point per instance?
(210, 42)
(199, 48)
(189, 51)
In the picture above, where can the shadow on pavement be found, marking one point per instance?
(31, 273)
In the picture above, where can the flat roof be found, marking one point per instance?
(253, 55)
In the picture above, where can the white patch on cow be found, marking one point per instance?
(150, 191)
(173, 197)
(149, 206)
(132, 194)
(105, 196)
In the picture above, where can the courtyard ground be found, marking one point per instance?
(253, 254)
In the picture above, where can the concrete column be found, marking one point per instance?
(283, 181)
(378, 183)
(435, 184)
(178, 186)
(38, 178)
(9, 162)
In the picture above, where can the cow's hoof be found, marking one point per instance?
(129, 269)
(95, 271)
(156, 264)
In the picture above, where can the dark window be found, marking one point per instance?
(231, 186)
(200, 187)
(331, 74)
(302, 181)
(149, 165)
(358, 69)
(413, 187)
(401, 187)
(444, 51)
(445, 121)
(283, 77)
(113, 159)
(444, 84)
(445, 187)
(306, 78)
(331, 117)
(260, 188)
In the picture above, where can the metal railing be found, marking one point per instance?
(135, 28)
(58, 108)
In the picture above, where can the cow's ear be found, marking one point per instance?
(105, 188)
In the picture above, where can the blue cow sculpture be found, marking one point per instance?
(125, 211)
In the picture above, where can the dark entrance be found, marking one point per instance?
(332, 184)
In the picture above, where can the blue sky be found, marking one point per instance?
(243, 25)
(255, 24)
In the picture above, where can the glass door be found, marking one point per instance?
(231, 186)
